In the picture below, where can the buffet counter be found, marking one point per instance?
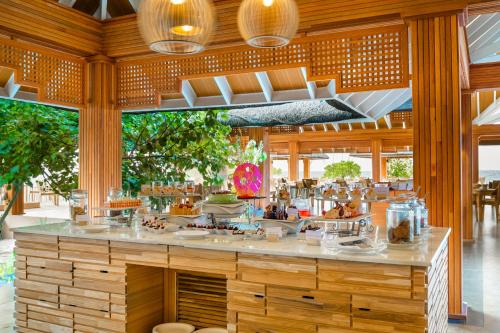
(126, 281)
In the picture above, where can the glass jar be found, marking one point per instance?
(400, 223)
(417, 211)
(115, 193)
(424, 222)
(78, 203)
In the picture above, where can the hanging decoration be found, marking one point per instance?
(247, 180)
(268, 23)
(176, 26)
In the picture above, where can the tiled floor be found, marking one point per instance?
(481, 282)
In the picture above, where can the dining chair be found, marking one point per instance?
(494, 201)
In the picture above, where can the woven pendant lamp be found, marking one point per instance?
(268, 23)
(176, 26)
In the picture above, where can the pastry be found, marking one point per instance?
(329, 192)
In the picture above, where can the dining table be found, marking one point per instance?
(479, 194)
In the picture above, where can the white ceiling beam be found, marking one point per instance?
(11, 87)
(313, 128)
(350, 126)
(391, 101)
(266, 85)
(336, 127)
(490, 114)
(103, 10)
(325, 128)
(376, 124)
(311, 85)
(363, 125)
(387, 119)
(332, 88)
(188, 93)
(224, 88)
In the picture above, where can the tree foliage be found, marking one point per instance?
(400, 168)
(343, 169)
(164, 146)
(37, 141)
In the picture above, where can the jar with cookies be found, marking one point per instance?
(78, 203)
(400, 223)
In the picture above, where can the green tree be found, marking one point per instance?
(164, 145)
(277, 171)
(37, 141)
(343, 169)
(400, 168)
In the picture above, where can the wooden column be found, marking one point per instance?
(18, 206)
(376, 159)
(383, 168)
(293, 160)
(307, 168)
(475, 159)
(262, 134)
(437, 133)
(100, 132)
(466, 117)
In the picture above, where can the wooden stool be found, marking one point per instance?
(173, 328)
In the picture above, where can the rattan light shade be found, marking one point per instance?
(268, 23)
(176, 26)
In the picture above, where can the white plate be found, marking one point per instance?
(192, 234)
(94, 228)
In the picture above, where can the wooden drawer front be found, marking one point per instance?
(411, 307)
(246, 303)
(246, 287)
(86, 323)
(84, 250)
(215, 262)
(248, 323)
(141, 254)
(37, 246)
(384, 322)
(42, 318)
(419, 278)
(317, 307)
(285, 271)
(96, 277)
(365, 278)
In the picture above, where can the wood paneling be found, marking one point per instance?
(100, 133)
(376, 150)
(287, 79)
(293, 160)
(485, 76)
(378, 60)
(58, 77)
(122, 37)
(467, 156)
(205, 87)
(52, 24)
(437, 133)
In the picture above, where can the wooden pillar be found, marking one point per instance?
(262, 134)
(466, 117)
(376, 159)
(293, 160)
(18, 206)
(437, 133)
(475, 159)
(383, 168)
(100, 132)
(307, 168)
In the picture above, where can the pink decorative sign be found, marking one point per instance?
(247, 180)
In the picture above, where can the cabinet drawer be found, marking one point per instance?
(142, 254)
(365, 278)
(248, 303)
(381, 321)
(84, 250)
(260, 324)
(275, 270)
(215, 262)
(395, 305)
(52, 264)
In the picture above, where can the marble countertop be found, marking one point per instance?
(433, 239)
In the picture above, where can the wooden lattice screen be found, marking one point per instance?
(58, 77)
(358, 60)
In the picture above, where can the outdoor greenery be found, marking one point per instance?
(343, 169)
(277, 171)
(400, 168)
(164, 146)
(37, 141)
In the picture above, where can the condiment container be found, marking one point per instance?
(78, 203)
(417, 211)
(400, 221)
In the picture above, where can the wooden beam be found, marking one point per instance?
(52, 24)
(485, 76)
(466, 132)
(307, 168)
(437, 134)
